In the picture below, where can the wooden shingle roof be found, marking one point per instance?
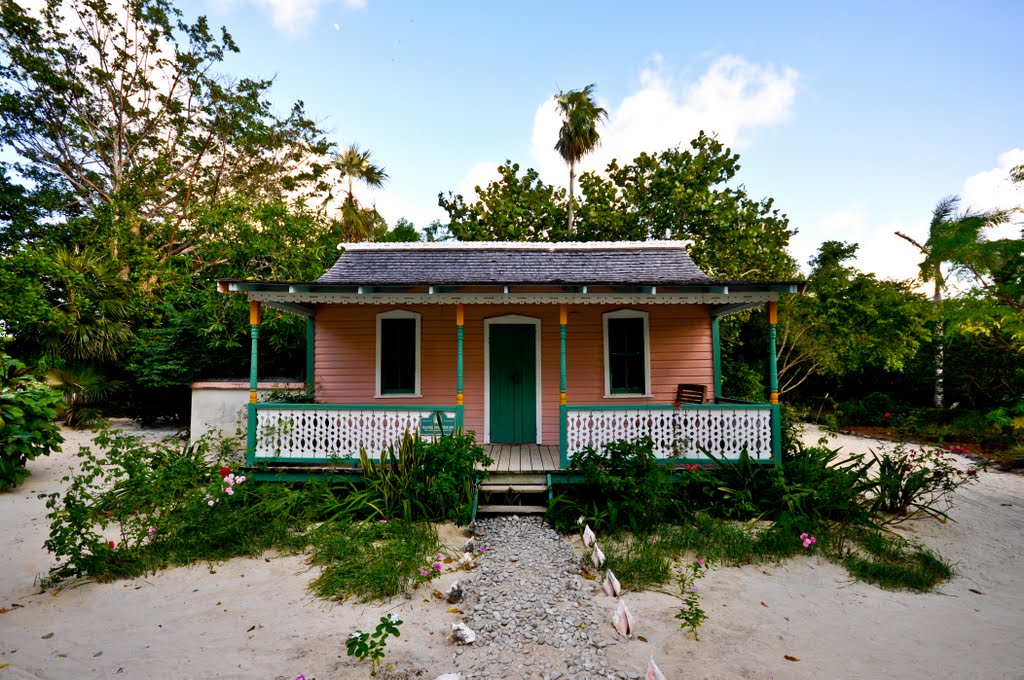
(627, 263)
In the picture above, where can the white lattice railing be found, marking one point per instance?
(680, 433)
(297, 433)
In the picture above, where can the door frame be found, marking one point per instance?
(510, 319)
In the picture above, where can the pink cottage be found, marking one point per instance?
(541, 349)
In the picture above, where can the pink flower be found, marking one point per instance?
(111, 545)
(803, 536)
(700, 562)
(888, 415)
(210, 503)
(424, 573)
(229, 491)
(383, 521)
(437, 566)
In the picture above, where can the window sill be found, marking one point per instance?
(410, 395)
(636, 395)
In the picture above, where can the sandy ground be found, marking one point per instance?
(252, 618)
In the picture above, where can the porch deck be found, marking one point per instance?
(522, 458)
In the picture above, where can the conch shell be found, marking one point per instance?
(588, 536)
(653, 672)
(611, 584)
(597, 557)
(623, 620)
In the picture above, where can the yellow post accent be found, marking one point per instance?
(562, 399)
(773, 313)
(458, 399)
(563, 314)
(252, 396)
(774, 398)
(254, 313)
(459, 316)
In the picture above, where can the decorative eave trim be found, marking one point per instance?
(752, 298)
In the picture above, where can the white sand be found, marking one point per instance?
(252, 618)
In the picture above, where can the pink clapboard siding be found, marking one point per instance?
(345, 355)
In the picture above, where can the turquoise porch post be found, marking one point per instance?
(254, 323)
(459, 406)
(773, 385)
(563, 401)
(773, 371)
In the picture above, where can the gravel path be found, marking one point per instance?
(534, 614)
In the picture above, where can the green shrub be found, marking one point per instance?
(27, 411)
(136, 506)
(625, 487)
(836, 488)
(911, 481)
(449, 469)
(423, 480)
(871, 410)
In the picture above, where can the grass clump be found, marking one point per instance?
(895, 563)
(638, 562)
(374, 559)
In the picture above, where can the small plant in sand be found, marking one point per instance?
(917, 480)
(372, 646)
(691, 615)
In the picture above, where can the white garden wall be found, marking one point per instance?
(220, 406)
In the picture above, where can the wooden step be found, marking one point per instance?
(512, 478)
(513, 488)
(511, 509)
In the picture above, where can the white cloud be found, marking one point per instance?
(293, 17)
(992, 190)
(880, 250)
(480, 175)
(730, 99)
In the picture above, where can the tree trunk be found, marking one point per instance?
(940, 333)
(572, 182)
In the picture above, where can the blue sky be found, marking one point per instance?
(856, 117)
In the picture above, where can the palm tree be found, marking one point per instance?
(951, 232)
(578, 135)
(357, 165)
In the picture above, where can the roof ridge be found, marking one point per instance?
(520, 245)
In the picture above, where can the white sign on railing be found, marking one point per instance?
(678, 433)
(320, 434)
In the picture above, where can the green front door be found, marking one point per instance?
(513, 384)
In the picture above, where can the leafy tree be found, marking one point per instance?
(687, 194)
(118, 108)
(848, 321)
(578, 135)
(404, 231)
(356, 165)
(512, 208)
(947, 220)
(682, 194)
(142, 176)
(27, 410)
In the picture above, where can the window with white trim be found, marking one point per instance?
(626, 354)
(398, 354)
